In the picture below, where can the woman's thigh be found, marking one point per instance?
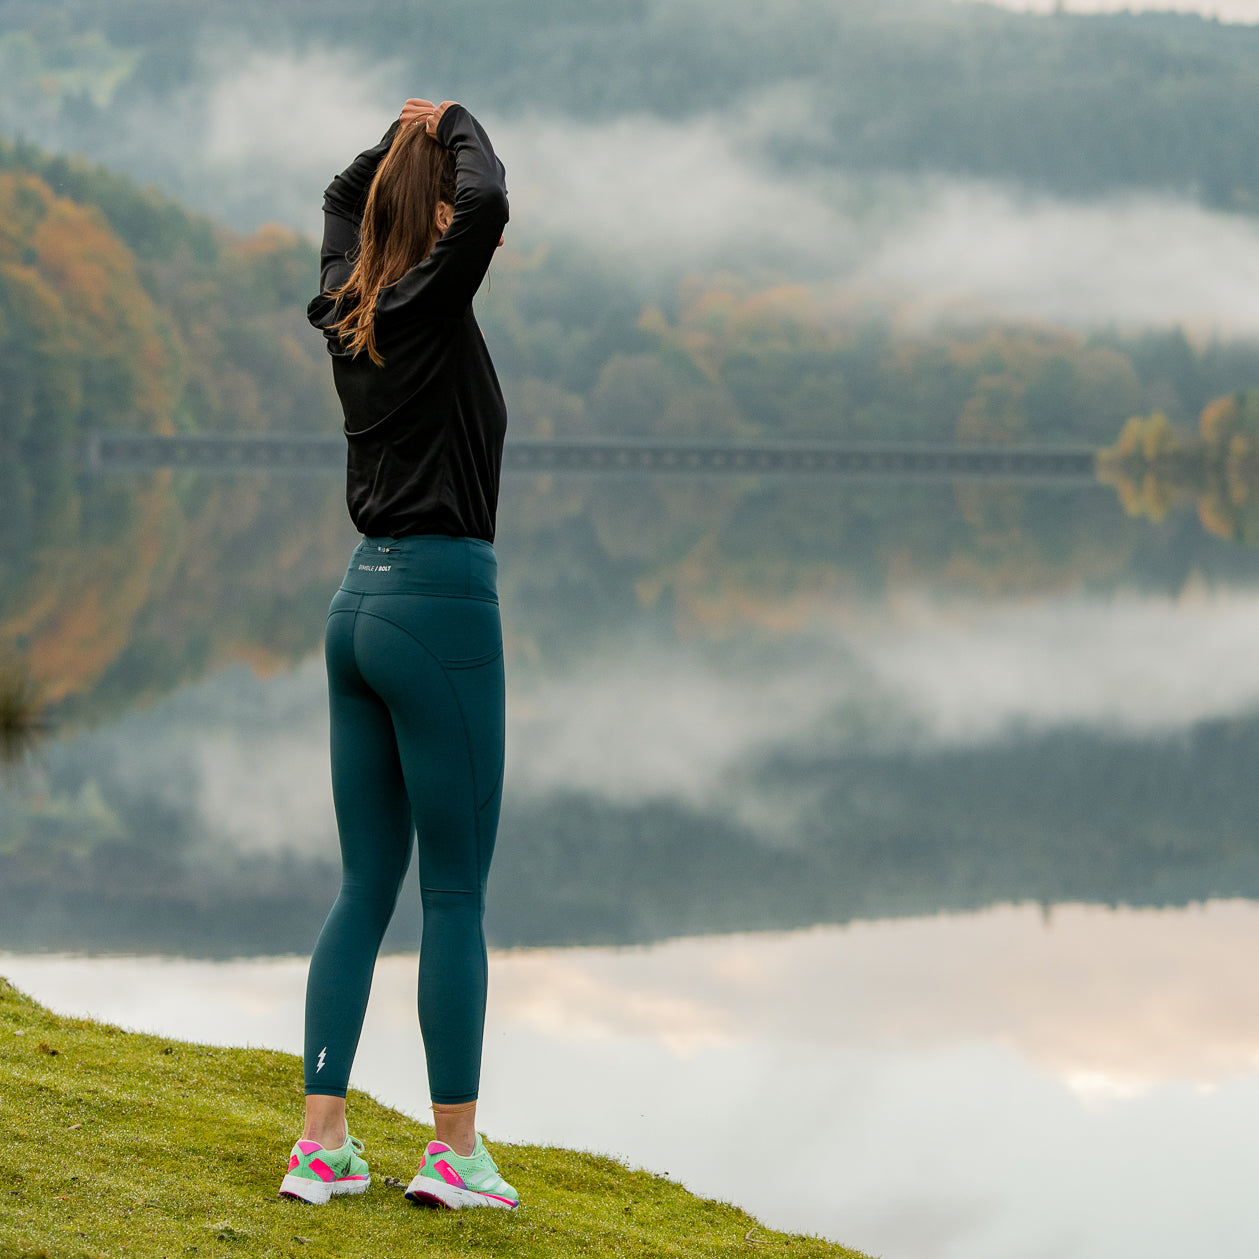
(368, 786)
(437, 664)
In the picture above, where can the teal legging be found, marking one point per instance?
(415, 689)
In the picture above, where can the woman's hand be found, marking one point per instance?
(424, 114)
(435, 117)
(415, 110)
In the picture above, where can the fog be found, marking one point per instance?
(1138, 664)
(244, 763)
(1224, 10)
(249, 141)
(661, 198)
(254, 136)
(664, 198)
(973, 251)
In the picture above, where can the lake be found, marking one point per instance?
(896, 835)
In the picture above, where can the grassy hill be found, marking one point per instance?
(115, 1143)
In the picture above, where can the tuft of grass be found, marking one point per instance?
(22, 719)
(116, 1143)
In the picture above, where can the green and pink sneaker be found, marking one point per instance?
(315, 1174)
(447, 1179)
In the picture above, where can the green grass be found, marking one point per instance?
(22, 719)
(115, 1143)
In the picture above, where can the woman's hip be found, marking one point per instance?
(424, 564)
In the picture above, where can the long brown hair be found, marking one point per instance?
(399, 228)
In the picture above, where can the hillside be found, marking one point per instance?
(118, 1143)
(1074, 104)
(118, 309)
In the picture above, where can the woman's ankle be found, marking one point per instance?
(329, 1140)
(455, 1126)
(325, 1121)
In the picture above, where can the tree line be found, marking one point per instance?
(119, 309)
(1074, 104)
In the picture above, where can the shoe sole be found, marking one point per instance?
(424, 1191)
(317, 1193)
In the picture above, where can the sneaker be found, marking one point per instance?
(447, 1179)
(315, 1174)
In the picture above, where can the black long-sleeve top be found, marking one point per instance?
(425, 431)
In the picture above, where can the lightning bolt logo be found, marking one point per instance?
(323, 1051)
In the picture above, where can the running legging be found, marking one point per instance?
(415, 687)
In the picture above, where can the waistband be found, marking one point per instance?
(424, 564)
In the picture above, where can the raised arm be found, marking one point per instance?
(343, 202)
(444, 284)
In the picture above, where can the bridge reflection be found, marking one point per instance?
(122, 452)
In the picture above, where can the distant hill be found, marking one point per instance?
(1070, 103)
(119, 309)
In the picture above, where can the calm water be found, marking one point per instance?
(903, 829)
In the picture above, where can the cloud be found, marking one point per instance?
(660, 198)
(244, 762)
(973, 251)
(1134, 664)
(663, 197)
(655, 720)
(296, 112)
(257, 134)
(1109, 1001)
(287, 806)
(914, 672)
(910, 673)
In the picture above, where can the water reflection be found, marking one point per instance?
(817, 740)
(735, 705)
(745, 788)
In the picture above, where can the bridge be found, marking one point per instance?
(301, 453)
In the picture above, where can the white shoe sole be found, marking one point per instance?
(425, 1191)
(318, 1192)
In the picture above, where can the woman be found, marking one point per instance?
(414, 646)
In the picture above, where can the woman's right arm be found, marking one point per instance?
(344, 201)
(444, 283)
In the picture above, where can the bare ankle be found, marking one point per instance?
(325, 1121)
(455, 1126)
(329, 1140)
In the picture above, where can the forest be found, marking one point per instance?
(1074, 104)
(208, 332)
(119, 309)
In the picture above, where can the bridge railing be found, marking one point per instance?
(117, 452)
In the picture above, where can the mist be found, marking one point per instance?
(918, 674)
(254, 136)
(657, 199)
(246, 761)
(1246, 11)
(663, 199)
